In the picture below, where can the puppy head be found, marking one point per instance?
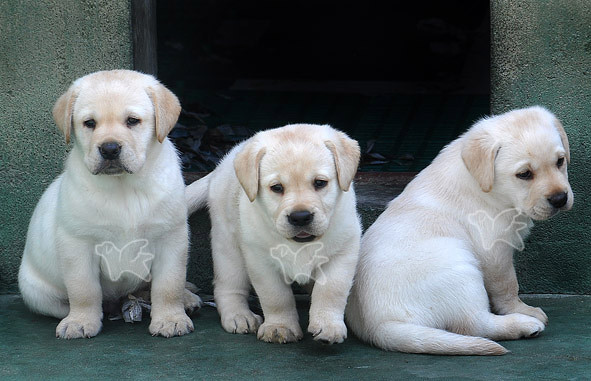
(521, 157)
(114, 118)
(296, 174)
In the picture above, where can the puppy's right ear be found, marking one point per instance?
(62, 111)
(479, 153)
(247, 167)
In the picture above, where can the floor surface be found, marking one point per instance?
(29, 350)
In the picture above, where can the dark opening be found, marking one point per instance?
(402, 78)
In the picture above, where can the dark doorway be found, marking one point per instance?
(402, 78)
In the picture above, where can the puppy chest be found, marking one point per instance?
(300, 264)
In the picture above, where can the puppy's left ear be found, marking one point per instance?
(563, 138)
(479, 153)
(346, 155)
(247, 167)
(167, 109)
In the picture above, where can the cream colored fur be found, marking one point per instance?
(250, 224)
(442, 252)
(94, 202)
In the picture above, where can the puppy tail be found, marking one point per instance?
(197, 194)
(412, 338)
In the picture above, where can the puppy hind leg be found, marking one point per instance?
(45, 303)
(506, 327)
(232, 286)
(41, 297)
(477, 320)
(191, 300)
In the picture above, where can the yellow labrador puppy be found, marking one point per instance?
(283, 209)
(442, 252)
(116, 219)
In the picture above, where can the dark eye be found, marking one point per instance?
(527, 175)
(90, 123)
(319, 184)
(560, 162)
(277, 188)
(132, 122)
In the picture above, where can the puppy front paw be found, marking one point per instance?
(334, 332)
(74, 327)
(241, 322)
(280, 333)
(171, 325)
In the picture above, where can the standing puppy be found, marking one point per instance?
(442, 252)
(283, 209)
(116, 219)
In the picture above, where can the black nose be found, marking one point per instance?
(300, 218)
(558, 200)
(110, 150)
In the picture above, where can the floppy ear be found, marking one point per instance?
(62, 111)
(247, 167)
(563, 138)
(167, 109)
(479, 153)
(346, 155)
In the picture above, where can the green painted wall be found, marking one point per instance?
(44, 45)
(541, 54)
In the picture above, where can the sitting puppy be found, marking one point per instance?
(442, 252)
(283, 209)
(116, 219)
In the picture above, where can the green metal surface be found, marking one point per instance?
(127, 351)
(541, 54)
(44, 46)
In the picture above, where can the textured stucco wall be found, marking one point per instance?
(44, 45)
(541, 54)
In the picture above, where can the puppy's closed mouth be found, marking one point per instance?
(304, 237)
(111, 167)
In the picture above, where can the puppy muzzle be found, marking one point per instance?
(111, 164)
